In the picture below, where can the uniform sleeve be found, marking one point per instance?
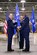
(10, 23)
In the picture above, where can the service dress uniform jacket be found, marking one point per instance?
(24, 33)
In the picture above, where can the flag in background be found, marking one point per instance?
(33, 21)
(17, 16)
(5, 23)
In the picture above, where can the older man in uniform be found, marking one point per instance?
(10, 32)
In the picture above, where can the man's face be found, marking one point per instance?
(11, 16)
(21, 18)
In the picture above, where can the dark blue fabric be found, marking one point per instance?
(10, 29)
(24, 32)
(33, 21)
(25, 25)
(10, 32)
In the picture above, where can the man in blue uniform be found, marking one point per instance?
(10, 32)
(24, 33)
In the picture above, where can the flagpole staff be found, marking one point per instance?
(34, 35)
